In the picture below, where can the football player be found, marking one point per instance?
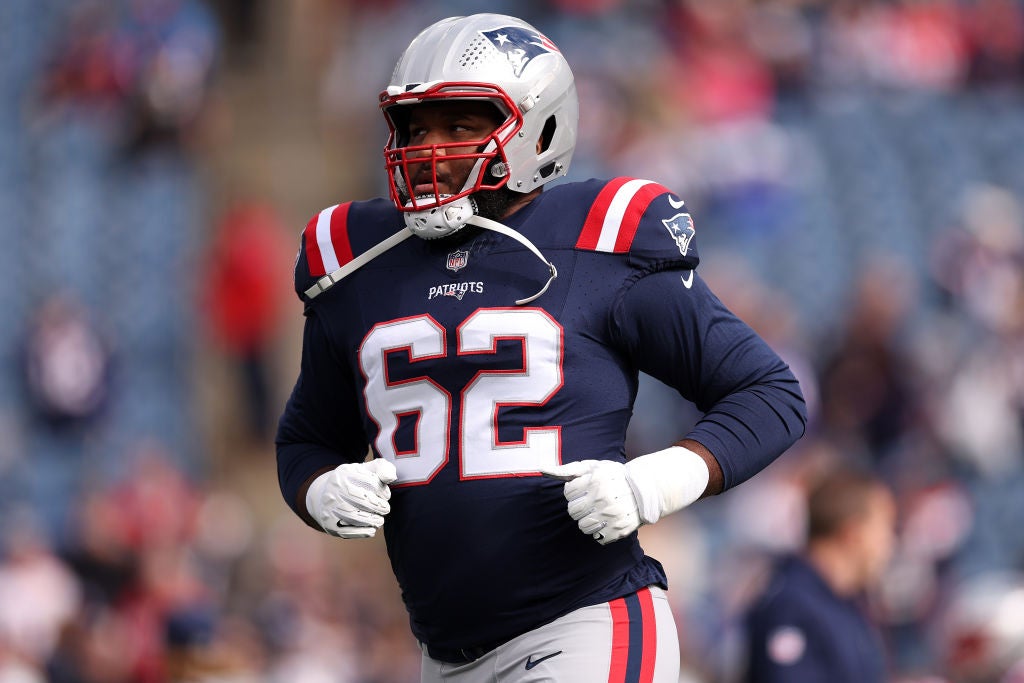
(482, 339)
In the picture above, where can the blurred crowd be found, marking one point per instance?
(855, 169)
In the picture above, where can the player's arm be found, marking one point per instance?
(677, 331)
(321, 447)
(667, 323)
(684, 336)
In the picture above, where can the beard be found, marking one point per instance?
(494, 204)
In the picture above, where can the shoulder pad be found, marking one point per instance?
(642, 219)
(329, 241)
(324, 246)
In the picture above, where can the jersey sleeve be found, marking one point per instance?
(323, 248)
(675, 329)
(644, 222)
(320, 426)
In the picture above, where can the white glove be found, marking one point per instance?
(351, 500)
(610, 500)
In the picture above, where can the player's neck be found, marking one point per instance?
(519, 202)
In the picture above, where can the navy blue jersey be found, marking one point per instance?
(423, 357)
(800, 631)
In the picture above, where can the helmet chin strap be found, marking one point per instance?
(331, 279)
(488, 224)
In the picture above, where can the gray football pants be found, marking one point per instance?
(628, 640)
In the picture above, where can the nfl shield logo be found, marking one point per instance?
(457, 260)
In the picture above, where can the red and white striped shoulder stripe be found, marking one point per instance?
(327, 244)
(615, 214)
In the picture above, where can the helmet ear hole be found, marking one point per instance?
(548, 134)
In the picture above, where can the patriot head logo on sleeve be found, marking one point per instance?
(680, 227)
(519, 45)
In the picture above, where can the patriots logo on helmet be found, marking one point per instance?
(519, 45)
(680, 227)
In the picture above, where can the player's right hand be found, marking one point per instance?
(351, 500)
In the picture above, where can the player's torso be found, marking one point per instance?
(452, 371)
(471, 395)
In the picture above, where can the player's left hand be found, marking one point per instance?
(610, 500)
(600, 498)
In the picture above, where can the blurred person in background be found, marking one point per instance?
(512, 511)
(809, 623)
(243, 302)
(67, 364)
(39, 596)
(981, 629)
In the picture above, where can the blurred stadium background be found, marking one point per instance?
(856, 172)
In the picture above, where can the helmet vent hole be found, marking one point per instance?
(547, 134)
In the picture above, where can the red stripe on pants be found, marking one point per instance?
(620, 641)
(650, 644)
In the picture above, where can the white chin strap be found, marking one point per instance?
(495, 226)
(435, 228)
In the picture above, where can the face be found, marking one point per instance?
(447, 123)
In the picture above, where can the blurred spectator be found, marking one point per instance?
(88, 67)
(995, 34)
(867, 383)
(67, 364)
(722, 78)
(243, 24)
(980, 267)
(783, 38)
(247, 275)
(39, 596)
(809, 625)
(982, 629)
(906, 45)
(147, 62)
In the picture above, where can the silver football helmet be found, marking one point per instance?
(483, 57)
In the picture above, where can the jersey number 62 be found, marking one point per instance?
(421, 398)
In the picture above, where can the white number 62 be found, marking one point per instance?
(420, 398)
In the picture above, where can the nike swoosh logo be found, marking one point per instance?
(531, 662)
(675, 204)
(688, 280)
